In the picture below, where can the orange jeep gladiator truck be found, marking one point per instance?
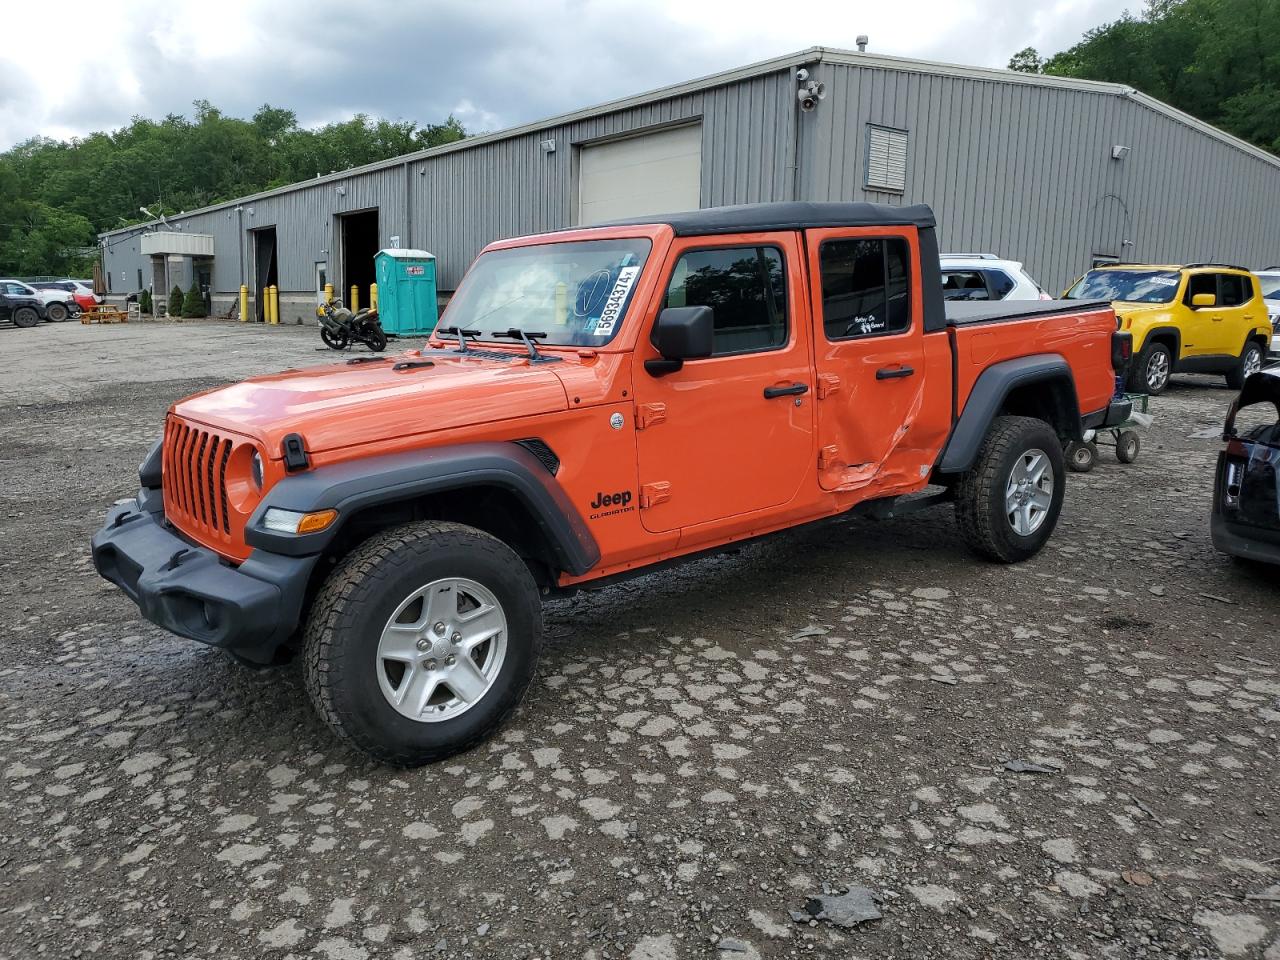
(597, 401)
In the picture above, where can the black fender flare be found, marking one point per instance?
(989, 394)
(355, 485)
(1157, 332)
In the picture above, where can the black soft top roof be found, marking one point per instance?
(795, 215)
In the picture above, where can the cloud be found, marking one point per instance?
(492, 64)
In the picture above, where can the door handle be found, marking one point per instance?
(893, 373)
(792, 391)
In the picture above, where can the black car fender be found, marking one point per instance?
(993, 389)
(356, 485)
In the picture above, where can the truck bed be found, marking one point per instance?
(961, 312)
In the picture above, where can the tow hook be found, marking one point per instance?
(176, 560)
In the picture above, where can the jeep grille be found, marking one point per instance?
(195, 479)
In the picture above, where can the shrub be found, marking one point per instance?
(193, 304)
(144, 301)
(176, 297)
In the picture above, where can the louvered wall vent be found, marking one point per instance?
(886, 159)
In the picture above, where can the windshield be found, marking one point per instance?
(1270, 287)
(1133, 286)
(574, 293)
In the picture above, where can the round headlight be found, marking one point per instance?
(255, 469)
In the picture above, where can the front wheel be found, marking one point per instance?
(1127, 446)
(422, 642)
(1081, 456)
(1008, 502)
(25, 317)
(335, 341)
(1250, 363)
(1150, 374)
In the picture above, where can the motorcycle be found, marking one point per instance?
(339, 327)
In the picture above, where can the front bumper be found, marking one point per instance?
(251, 610)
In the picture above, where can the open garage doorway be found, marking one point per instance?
(359, 244)
(266, 270)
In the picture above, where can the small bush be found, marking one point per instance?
(176, 298)
(144, 301)
(193, 304)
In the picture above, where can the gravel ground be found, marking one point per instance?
(703, 752)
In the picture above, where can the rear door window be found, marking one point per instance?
(1235, 290)
(964, 285)
(866, 287)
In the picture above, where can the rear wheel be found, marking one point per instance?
(1127, 446)
(375, 338)
(422, 642)
(1250, 363)
(25, 317)
(56, 312)
(1150, 374)
(1008, 502)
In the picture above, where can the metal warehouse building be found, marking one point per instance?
(1055, 172)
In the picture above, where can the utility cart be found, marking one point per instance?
(1081, 455)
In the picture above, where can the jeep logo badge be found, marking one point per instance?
(616, 421)
(610, 504)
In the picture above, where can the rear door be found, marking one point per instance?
(732, 434)
(869, 344)
(1235, 291)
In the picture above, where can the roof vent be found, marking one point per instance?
(862, 42)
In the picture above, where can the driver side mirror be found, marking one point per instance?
(1204, 300)
(680, 334)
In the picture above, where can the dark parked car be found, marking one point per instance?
(1246, 496)
(22, 310)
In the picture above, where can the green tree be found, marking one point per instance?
(1026, 60)
(193, 303)
(144, 301)
(177, 299)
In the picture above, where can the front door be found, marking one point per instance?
(731, 434)
(870, 354)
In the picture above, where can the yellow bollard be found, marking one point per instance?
(328, 293)
(244, 303)
(266, 304)
(275, 304)
(354, 303)
(373, 297)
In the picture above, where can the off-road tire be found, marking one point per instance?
(1252, 356)
(1138, 371)
(980, 491)
(25, 317)
(340, 640)
(1081, 457)
(1128, 446)
(56, 313)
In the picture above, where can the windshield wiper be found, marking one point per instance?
(527, 337)
(461, 333)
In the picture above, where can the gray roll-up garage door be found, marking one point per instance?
(657, 172)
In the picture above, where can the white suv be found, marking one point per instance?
(58, 304)
(984, 276)
(1270, 281)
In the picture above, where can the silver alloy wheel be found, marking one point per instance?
(1158, 370)
(1252, 360)
(1029, 493)
(442, 649)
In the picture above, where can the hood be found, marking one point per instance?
(1129, 308)
(355, 403)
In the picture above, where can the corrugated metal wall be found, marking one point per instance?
(1018, 169)
(1025, 171)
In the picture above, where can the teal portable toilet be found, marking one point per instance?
(406, 291)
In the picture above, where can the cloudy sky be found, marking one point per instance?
(491, 63)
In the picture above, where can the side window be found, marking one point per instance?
(1001, 284)
(1236, 290)
(746, 289)
(964, 285)
(1200, 283)
(866, 287)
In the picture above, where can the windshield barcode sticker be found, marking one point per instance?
(617, 298)
(1164, 281)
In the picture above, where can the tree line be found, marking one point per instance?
(57, 196)
(1218, 60)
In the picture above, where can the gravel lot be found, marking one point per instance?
(703, 751)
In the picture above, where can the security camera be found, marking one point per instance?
(802, 74)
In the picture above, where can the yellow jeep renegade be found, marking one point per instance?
(1198, 318)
